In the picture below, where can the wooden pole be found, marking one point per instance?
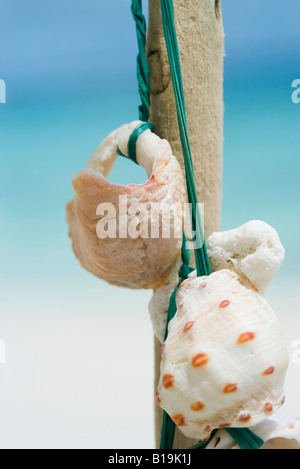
(201, 44)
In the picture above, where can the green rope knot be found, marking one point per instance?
(131, 146)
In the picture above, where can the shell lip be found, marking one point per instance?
(103, 180)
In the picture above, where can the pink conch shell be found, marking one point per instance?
(224, 360)
(143, 262)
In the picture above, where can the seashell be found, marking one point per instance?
(158, 309)
(280, 431)
(225, 357)
(139, 261)
(253, 250)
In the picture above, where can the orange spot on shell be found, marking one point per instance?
(179, 420)
(202, 286)
(268, 407)
(244, 418)
(224, 304)
(230, 387)
(223, 425)
(246, 337)
(269, 371)
(200, 359)
(283, 400)
(187, 280)
(168, 381)
(208, 428)
(196, 406)
(188, 326)
(157, 398)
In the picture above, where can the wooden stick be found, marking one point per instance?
(201, 43)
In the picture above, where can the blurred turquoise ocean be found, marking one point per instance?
(70, 74)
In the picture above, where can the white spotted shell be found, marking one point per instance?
(224, 360)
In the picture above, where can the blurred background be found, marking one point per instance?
(79, 365)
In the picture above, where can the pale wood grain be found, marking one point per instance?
(201, 45)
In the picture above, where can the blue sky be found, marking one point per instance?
(57, 47)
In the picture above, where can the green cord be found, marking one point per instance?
(201, 256)
(131, 146)
(244, 437)
(134, 136)
(245, 440)
(142, 63)
(143, 77)
(168, 426)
